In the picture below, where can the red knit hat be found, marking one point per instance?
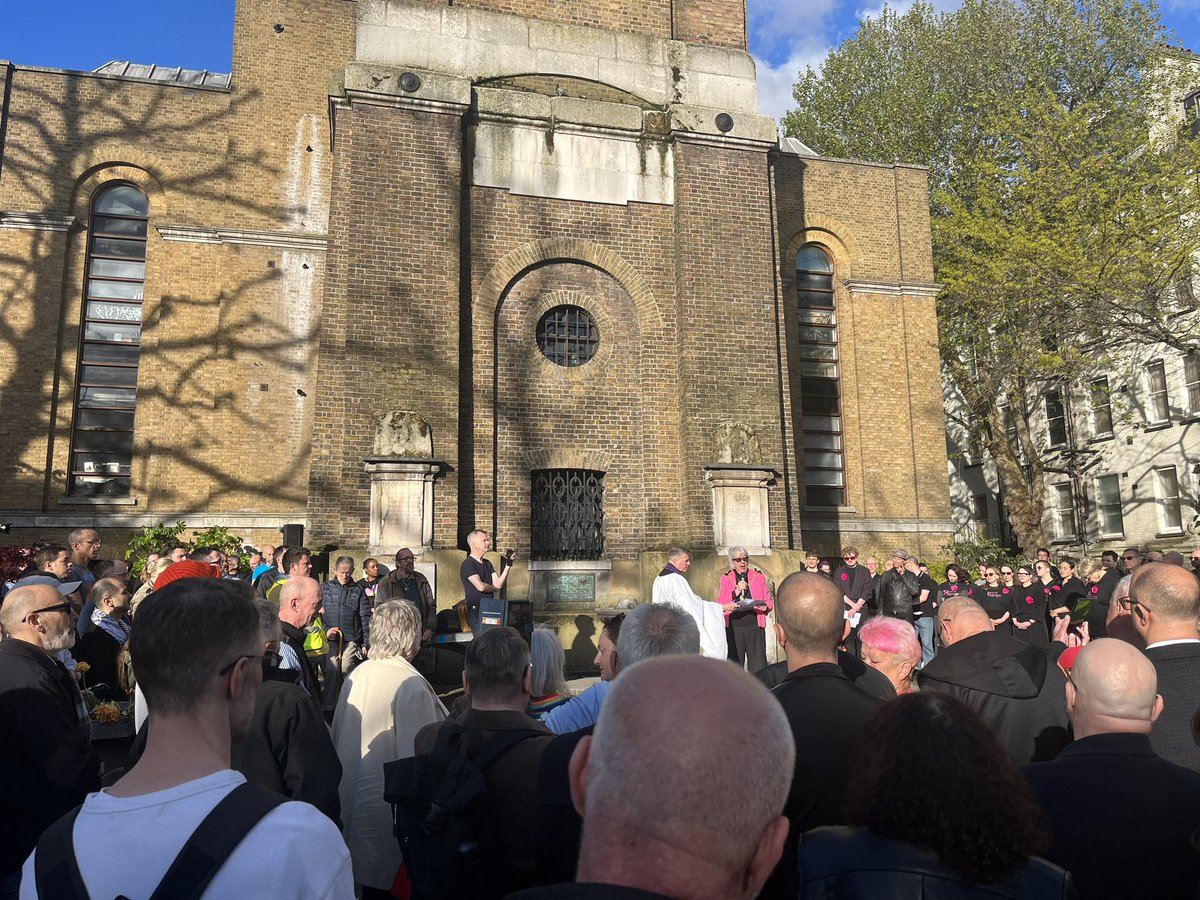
(188, 568)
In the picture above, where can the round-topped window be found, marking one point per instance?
(567, 336)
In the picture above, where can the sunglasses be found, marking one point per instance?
(1127, 558)
(741, 559)
(850, 556)
(1006, 571)
(57, 607)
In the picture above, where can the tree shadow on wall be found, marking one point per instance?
(56, 134)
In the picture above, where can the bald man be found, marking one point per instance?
(299, 602)
(666, 815)
(46, 755)
(826, 712)
(1164, 602)
(1014, 686)
(1110, 786)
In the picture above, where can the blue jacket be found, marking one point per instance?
(347, 608)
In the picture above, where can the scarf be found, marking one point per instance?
(114, 628)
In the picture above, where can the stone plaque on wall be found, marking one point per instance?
(577, 587)
(741, 516)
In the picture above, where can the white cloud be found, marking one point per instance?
(776, 25)
(775, 82)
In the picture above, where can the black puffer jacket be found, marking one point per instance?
(853, 863)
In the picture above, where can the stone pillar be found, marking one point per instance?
(401, 503)
(741, 516)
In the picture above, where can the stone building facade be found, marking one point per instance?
(393, 211)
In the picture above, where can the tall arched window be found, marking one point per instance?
(106, 383)
(820, 394)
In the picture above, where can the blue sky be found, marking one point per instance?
(785, 35)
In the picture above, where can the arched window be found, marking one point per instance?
(820, 386)
(106, 383)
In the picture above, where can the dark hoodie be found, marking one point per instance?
(1013, 685)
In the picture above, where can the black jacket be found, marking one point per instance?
(1110, 787)
(1097, 612)
(348, 609)
(100, 650)
(897, 593)
(1015, 686)
(294, 638)
(856, 864)
(1178, 668)
(860, 674)
(827, 714)
(288, 748)
(46, 757)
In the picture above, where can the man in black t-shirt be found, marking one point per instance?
(479, 577)
(925, 613)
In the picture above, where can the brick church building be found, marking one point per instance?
(416, 266)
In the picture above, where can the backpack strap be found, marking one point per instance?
(57, 873)
(214, 840)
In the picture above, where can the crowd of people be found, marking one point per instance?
(1039, 737)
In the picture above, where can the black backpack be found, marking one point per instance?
(439, 811)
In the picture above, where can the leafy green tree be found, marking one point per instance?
(151, 539)
(1063, 202)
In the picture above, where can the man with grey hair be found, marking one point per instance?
(1111, 782)
(496, 679)
(826, 712)
(479, 576)
(745, 596)
(1164, 602)
(650, 629)
(667, 815)
(671, 587)
(46, 754)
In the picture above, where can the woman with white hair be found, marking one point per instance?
(547, 685)
(746, 600)
(383, 705)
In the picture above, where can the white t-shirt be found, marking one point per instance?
(124, 846)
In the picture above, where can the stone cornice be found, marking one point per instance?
(33, 221)
(895, 288)
(287, 240)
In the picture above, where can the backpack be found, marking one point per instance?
(440, 816)
(197, 863)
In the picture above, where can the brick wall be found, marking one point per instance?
(390, 339)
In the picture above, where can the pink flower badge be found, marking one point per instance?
(1095, 589)
(845, 577)
(1029, 600)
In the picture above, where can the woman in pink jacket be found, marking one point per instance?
(746, 599)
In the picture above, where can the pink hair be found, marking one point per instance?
(894, 637)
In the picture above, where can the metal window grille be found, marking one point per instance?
(567, 513)
(568, 336)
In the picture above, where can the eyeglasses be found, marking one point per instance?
(57, 607)
(850, 556)
(229, 668)
(1023, 572)
(1006, 571)
(1129, 603)
(741, 559)
(400, 559)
